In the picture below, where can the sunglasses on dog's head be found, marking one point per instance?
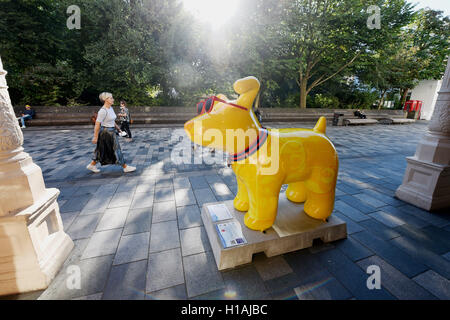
(206, 106)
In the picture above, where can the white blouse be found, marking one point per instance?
(106, 117)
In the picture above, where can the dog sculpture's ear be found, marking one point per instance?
(247, 84)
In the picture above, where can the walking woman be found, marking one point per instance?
(108, 148)
(125, 119)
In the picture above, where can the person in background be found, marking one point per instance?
(108, 149)
(125, 119)
(359, 114)
(27, 115)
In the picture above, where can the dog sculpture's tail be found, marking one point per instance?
(321, 125)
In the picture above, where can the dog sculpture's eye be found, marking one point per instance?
(209, 105)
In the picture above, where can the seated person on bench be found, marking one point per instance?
(360, 115)
(27, 114)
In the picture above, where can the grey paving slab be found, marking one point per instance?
(75, 203)
(173, 293)
(396, 282)
(351, 200)
(427, 238)
(351, 276)
(164, 236)
(138, 221)
(142, 200)
(353, 249)
(437, 220)
(350, 211)
(126, 282)
(132, 248)
(201, 274)
(189, 216)
(145, 187)
(68, 218)
(184, 197)
(244, 283)
(194, 240)
(165, 270)
(406, 264)
(198, 182)
(283, 288)
(387, 219)
(94, 273)
(204, 196)
(121, 199)
(352, 226)
(113, 219)
(102, 243)
(446, 256)
(270, 268)
(181, 183)
(95, 296)
(164, 211)
(379, 229)
(97, 204)
(435, 283)
(83, 226)
(411, 220)
(369, 199)
(423, 255)
(164, 194)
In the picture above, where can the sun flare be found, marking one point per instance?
(213, 12)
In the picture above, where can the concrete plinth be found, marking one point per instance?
(293, 230)
(33, 246)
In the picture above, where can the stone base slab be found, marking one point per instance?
(293, 230)
(33, 246)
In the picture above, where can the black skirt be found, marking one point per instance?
(108, 149)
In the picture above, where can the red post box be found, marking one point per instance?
(413, 108)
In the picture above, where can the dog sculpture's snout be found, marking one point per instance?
(189, 128)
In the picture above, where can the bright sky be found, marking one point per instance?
(443, 5)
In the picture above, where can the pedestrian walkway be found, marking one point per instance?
(140, 235)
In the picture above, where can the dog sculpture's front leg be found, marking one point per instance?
(263, 195)
(241, 200)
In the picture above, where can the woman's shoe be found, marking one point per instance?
(129, 169)
(92, 168)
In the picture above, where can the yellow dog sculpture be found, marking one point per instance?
(265, 159)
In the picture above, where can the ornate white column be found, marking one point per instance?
(426, 183)
(33, 244)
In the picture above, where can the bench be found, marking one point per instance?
(358, 121)
(396, 121)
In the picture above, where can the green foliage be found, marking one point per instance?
(153, 52)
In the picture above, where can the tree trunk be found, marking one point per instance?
(380, 104)
(303, 94)
(404, 93)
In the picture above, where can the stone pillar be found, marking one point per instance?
(33, 244)
(426, 183)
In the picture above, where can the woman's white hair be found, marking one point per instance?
(104, 95)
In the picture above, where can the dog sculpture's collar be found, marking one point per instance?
(252, 148)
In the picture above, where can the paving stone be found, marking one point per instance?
(194, 240)
(204, 196)
(391, 254)
(370, 200)
(352, 226)
(165, 270)
(382, 197)
(396, 282)
(353, 249)
(121, 199)
(132, 248)
(351, 276)
(142, 200)
(163, 183)
(113, 219)
(94, 274)
(181, 183)
(189, 216)
(164, 194)
(83, 226)
(326, 289)
(435, 283)
(270, 268)
(387, 219)
(75, 203)
(198, 182)
(350, 211)
(202, 276)
(85, 190)
(95, 296)
(164, 211)
(68, 218)
(138, 221)
(102, 243)
(174, 293)
(447, 256)
(379, 230)
(184, 197)
(441, 235)
(432, 218)
(427, 238)
(220, 189)
(357, 203)
(164, 236)
(411, 220)
(422, 254)
(97, 204)
(147, 188)
(126, 282)
(283, 288)
(244, 283)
